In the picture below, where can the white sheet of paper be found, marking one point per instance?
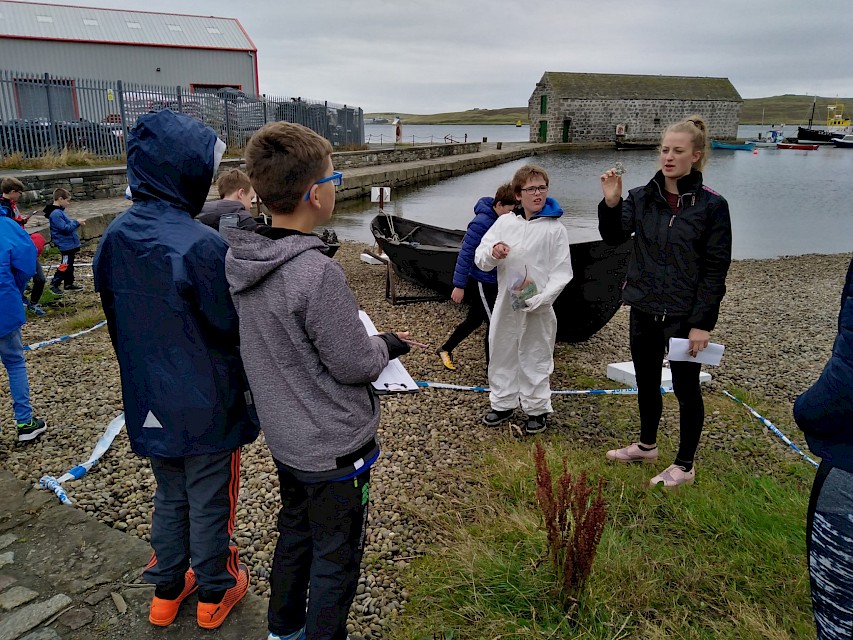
(679, 347)
(394, 377)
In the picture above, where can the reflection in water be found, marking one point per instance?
(781, 202)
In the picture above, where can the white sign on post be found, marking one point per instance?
(375, 193)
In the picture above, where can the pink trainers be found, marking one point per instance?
(632, 453)
(673, 476)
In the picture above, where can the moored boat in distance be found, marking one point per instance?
(796, 145)
(845, 143)
(732, 146)
(836, 126)
(638, 146)
(426, 255)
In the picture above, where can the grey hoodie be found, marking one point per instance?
(308, 358)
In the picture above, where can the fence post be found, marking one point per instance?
(53, 141)
(227, 123)
(180, 99)
(361, 125)
(123, 114)
(265, 107)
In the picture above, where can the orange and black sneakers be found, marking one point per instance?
(163, 612)
(211, 615)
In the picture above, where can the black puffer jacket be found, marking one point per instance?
(679, 262)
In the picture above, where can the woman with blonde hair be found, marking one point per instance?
(675, 281)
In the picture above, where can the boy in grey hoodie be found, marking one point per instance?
(310, 363)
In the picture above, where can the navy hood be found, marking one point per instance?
(170, 157)
(552, 209)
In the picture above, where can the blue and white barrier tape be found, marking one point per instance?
(101, 446)
(76, 264)
(45, 343)
(772, 427)
(567, 392)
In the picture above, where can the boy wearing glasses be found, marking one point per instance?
(531, 253)
(310, 363)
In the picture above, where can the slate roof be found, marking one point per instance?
(607, 86)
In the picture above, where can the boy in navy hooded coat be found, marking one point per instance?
(187, 404)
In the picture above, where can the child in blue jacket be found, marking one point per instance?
(479, 288)
(63, 233)
(17, 266)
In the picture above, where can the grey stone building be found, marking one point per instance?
(598, 107)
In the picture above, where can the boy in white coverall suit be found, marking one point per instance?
(526, 249)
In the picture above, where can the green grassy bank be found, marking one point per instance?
(722, 559)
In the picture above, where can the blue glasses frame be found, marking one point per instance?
(337, 179)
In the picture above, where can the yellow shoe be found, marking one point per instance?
(446, 359)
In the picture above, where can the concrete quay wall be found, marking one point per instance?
(110, 182)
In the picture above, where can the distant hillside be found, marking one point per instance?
(508, 115)
(789, 109)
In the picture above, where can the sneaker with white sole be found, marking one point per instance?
(632, 453)
(673, 476)
(296, 635)
(28, 431)
(536, 424)
(496, 417)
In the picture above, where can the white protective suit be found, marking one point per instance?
(522, 341)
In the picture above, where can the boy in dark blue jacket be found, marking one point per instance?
(188, 408)
(479, 288)
(825, 414)
(63, 233)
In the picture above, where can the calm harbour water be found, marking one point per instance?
(782, 202)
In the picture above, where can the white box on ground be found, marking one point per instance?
(369, 259)
(624, 372)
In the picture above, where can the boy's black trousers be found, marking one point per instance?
(65, 272)
(321, 529)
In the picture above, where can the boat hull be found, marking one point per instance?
(801, 147)
(635, 146)
(426, 255)
(732, 146)
(817, 135)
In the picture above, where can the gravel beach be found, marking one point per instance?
(778, 322)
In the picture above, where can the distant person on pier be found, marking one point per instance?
(530, 250)
(479, 288)
(187, 405)
(235, 197)
(675, 281)
(825, 414)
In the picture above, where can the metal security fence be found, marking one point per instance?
(40, 114)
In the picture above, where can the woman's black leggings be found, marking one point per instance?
(649, 337)
(480, 305)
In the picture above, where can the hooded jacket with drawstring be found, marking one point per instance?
(161, 276)
(522, 341)
(308, 357)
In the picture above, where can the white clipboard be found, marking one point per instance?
(394, 377)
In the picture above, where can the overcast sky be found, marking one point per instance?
(450, 55)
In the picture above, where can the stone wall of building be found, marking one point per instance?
(643, 120)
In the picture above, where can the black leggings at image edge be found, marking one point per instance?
(649, 336)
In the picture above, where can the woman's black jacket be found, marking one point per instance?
(679, 262)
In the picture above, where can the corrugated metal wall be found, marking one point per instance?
(140, 64)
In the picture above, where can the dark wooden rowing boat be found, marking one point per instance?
(426, 255)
